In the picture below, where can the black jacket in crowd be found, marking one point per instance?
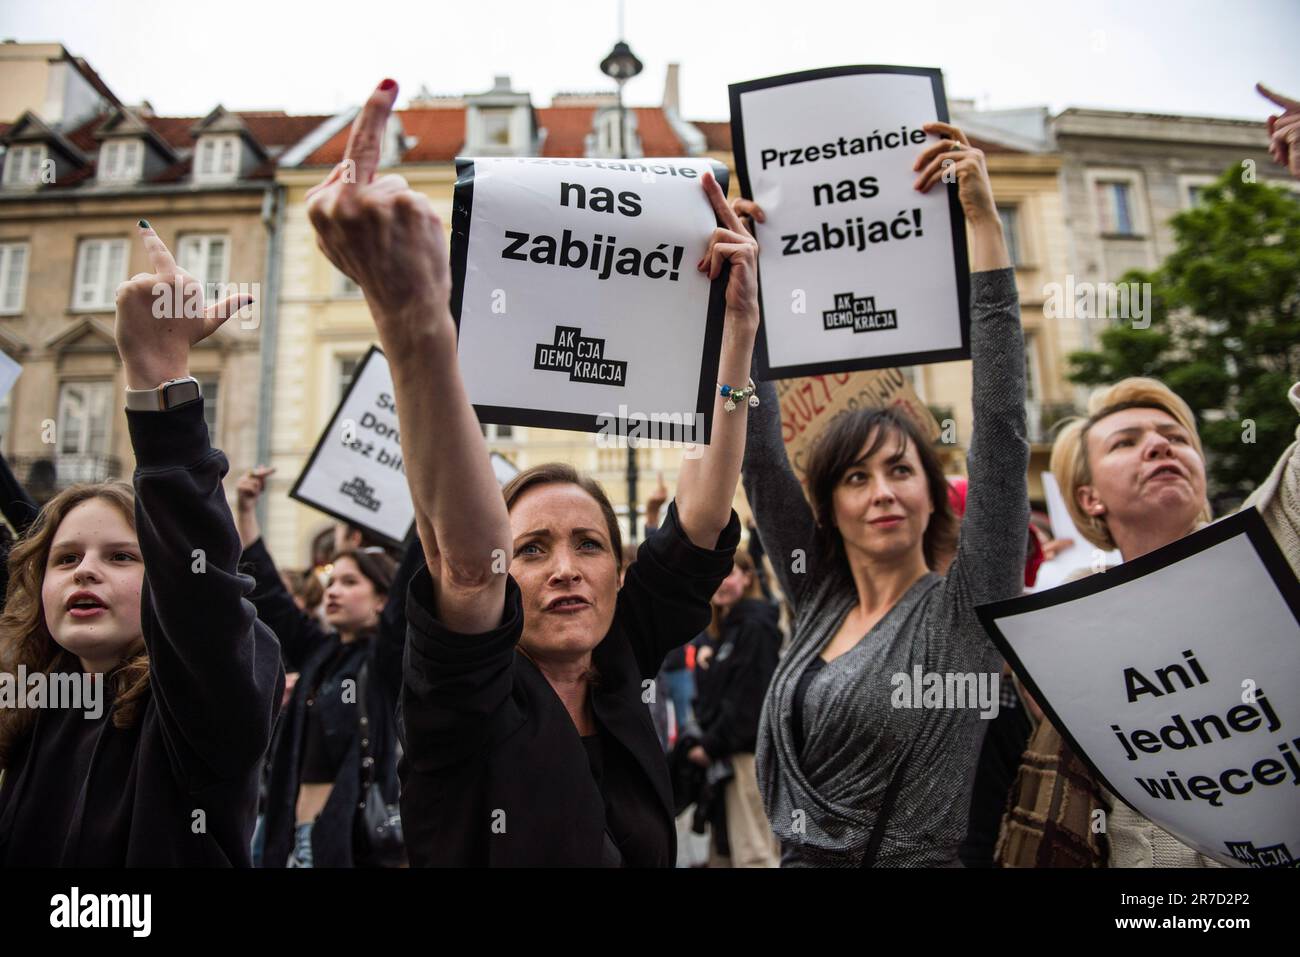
(730, 691)
(495, 772)
(179, 787)
(317, 654)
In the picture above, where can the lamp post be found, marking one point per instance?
(621, 65)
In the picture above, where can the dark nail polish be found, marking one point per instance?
(143, 224)
(388, 84)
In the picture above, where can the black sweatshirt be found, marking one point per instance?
(323, 663)
(134, 796)
(495, 772)
(732, 687)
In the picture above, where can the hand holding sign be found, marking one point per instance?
(967, 163)
(383, 235)
(732, 243)
(160, 315)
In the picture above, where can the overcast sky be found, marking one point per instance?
(1157, 55)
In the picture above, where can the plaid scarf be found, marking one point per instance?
(1048, 822)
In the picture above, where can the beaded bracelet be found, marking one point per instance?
(734, 395)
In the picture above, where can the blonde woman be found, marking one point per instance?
(1133, 477)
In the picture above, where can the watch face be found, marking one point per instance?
(179, 393)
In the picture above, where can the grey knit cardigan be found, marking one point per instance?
(823, 800)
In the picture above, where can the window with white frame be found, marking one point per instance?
(101, 268)
(217, 158)
(121, 161)
(1117, 212)
(85, 413)
(1010, 216)
(210, 383)
(13, 277)
(344, 287)
(206, 258)
(346, 367)
(496, 125)
(23, 164)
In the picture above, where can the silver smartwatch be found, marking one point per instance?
(169, 395)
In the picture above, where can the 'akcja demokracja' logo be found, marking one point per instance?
(858, 313)
(582, 357)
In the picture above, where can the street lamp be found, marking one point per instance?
(620, 66)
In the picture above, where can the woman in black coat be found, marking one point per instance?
(318, 766)
(734, 666)
(138, 588)
(527, 737)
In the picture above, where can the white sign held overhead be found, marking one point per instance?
(857, 269)
(1079, 556)
(576, 295)
(356, 473)
(1176, 677)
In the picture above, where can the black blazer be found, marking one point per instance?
(495, 772)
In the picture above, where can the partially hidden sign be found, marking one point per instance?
(810, 404)
(857, 269)
(356, 473)
(1176, 677)
(576, 295)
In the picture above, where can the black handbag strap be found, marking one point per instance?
(886, 809)
(363, 723)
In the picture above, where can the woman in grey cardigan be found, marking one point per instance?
(839, 749)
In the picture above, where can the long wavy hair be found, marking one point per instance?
(24, 638)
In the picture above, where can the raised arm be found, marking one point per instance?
(388, 239)
(991, 550)
(707, 481)
(299, 632)
(214, 668)
(781, 513)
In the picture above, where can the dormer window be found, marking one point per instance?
(609, 139)
(24, 165)
(121, 161)
(496, 126)
(217, 159)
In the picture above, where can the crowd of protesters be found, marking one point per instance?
(387, 706)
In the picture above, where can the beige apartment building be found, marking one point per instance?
(74, 184)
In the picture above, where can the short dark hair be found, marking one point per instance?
(840, 445)
(375, 565)
(560, 473)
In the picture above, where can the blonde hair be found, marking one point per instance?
(1070, 464)
(24, 638)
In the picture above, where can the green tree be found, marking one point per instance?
(1225, 327)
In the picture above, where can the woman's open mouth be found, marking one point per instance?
(85, 605)
(568, 604)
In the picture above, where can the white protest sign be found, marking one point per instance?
(1081, 555)
(9, 372)
(1176, 676)
(857, 269)
(355, 473)
(502, 468)
(577, 298)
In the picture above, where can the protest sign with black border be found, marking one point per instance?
(1201, 636)
(877, 277)
(373, 493)
(575, 293)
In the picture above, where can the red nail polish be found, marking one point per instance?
(388, 84)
